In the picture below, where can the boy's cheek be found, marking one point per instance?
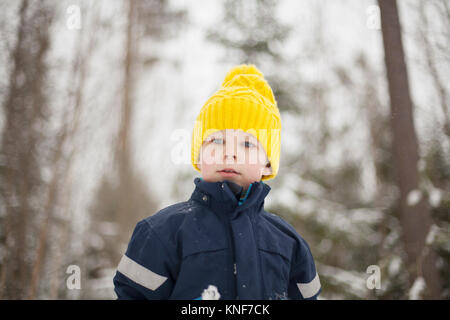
(207, 168)
(208, 156)
(255, 157)
(252, 170)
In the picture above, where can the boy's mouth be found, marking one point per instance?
(228, 172)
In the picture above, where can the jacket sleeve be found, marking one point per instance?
(304, 281)
(144, 272)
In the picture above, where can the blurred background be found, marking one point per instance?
(98, 100)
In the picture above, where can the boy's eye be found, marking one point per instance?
(248, 144)
(217, 140)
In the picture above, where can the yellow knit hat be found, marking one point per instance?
(244, 101)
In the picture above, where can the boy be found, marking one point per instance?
(221, 243)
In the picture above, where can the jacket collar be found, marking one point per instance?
(225, 195)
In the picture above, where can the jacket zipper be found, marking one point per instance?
(233, 256)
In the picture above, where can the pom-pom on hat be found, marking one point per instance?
(245, 101)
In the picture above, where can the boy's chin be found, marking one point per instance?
(220, 177)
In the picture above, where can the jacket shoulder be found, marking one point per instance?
(280, 223)
(170, 216)
(283, 229)
(168, 223)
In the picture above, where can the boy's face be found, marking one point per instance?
(236, 150)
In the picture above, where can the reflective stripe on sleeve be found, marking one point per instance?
(139, 274)
(311, 288)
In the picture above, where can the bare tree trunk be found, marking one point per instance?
(123, 152)
(13, 267)
(25, 113)
(415, 218)
(123, 144)
(60, 162)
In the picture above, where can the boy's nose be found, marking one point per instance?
(229, 157)
(230, 148)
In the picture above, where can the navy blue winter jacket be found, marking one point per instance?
(212, 239)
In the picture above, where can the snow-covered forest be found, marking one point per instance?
(98, 101)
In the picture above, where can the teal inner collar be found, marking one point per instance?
(242, 199)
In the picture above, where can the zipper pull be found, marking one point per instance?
(235, 272)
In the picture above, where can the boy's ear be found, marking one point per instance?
(267, 170)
